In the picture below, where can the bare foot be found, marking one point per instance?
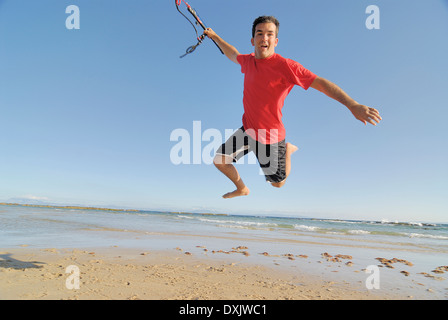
(290, 148)
(237, 193)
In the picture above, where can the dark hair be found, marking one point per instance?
(265, 19)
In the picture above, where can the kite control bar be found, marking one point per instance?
(200, 38)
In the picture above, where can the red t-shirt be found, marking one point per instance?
(267, 82)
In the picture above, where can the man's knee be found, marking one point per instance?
(278, 184)
(221, 160)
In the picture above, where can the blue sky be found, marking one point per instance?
(86, 115)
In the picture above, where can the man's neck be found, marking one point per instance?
(263, 57)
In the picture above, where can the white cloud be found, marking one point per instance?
(31, 197)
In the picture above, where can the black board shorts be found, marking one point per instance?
(271, 157)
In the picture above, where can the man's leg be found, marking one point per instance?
(290, 149)
(224, 164)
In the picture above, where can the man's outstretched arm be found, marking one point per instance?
(229, 50)
(361, 112)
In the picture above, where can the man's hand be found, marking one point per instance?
(365, 114)
(210, 33)
(361, 112)
(230, 51)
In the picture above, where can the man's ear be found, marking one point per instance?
(252, 41)
(276, 41)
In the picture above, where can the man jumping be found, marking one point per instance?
(268, 80)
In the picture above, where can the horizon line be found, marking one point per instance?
(77, 207)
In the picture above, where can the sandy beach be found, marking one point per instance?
(86, 254)
(126, 274)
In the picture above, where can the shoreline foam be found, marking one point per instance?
(283, 249)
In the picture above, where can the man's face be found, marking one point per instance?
(265, 40)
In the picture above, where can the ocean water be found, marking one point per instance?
(70, 226)
(423, 244)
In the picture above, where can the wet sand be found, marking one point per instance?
(177, 274)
